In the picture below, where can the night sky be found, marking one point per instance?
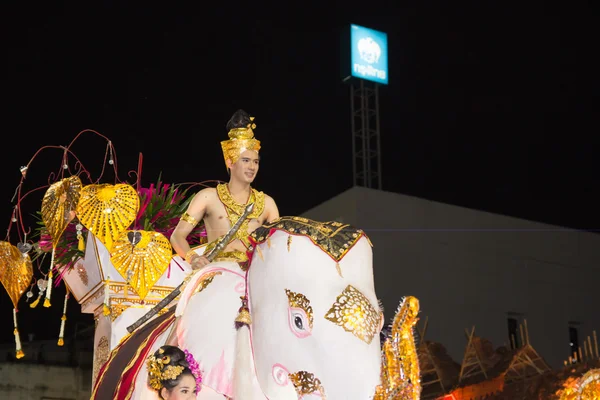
(489, 104)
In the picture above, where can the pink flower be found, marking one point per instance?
(195, 368)
(45, 242)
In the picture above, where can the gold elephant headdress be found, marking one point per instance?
(240, 140)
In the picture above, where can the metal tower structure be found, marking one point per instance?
(366, 145)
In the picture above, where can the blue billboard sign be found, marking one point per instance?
(369, 56)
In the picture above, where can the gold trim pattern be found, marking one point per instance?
(100, 357)
(117, 309)
(332, 237)
(205, 281)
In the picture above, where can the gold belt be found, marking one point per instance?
(232, 255)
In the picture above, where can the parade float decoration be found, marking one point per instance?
(108, 243)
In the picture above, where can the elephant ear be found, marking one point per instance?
(400, 361)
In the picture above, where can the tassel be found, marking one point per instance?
(289, 242)
(35, 303)
(18, 347)
(243, 317)
(81, 245)
(63, 319)
(269, 241)
(48, 290)
(259, 251)
(243, 384)
(49, 287)
(106, 307)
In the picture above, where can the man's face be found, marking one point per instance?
(246, 167)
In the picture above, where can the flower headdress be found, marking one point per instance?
(159, 370)
(195, 368)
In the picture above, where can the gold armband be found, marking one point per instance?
(189, 219)
(189, 255)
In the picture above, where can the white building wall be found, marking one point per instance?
(470, 268)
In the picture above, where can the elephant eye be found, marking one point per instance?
(300, 314)
(299, 323)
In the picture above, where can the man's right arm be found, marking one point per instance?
(193, 215)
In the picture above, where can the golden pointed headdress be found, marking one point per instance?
(240, 140)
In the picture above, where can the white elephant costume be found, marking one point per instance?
(308, 326)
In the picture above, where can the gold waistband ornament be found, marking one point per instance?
(240, 140)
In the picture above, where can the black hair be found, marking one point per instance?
(239, 119)
(176, 358)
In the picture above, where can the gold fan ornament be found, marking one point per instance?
(58, 210)
(108, 210)
(141, 257)
(16, 272)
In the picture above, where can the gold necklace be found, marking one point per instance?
(235, 209)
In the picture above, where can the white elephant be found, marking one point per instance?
(315, 320)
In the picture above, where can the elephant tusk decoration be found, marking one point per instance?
(399, 361)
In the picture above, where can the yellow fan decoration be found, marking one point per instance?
(58, 210)
(108, 210)
(16, 272)
(400, 375)
(141, 257)
(58, 206)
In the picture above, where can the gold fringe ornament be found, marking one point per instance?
(260, 254)
(106, 306)
(18, 348)
(63, 320)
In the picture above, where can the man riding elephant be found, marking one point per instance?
(222, 206)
